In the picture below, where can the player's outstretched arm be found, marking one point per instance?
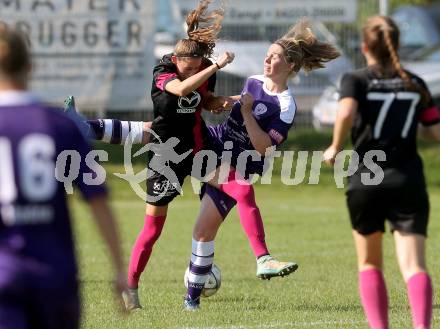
(107, 227)
(184, 87)
(218, 104)
(344, 122)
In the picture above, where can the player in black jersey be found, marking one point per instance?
(383, 105)
(183, 83)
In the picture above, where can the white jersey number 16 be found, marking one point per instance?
(36, 169)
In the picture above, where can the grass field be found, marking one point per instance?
(305, 223)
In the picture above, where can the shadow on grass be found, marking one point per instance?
(328, 308)
(236, 299)
(258, 303)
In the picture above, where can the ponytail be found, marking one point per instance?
(395, 60)
(201, 39)
(302, 48)
(381, 36)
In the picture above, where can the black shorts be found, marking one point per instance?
(406, 208)
(162, 185)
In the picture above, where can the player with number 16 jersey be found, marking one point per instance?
(38, 270)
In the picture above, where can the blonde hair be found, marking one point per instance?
(203, 30)
(302, 48)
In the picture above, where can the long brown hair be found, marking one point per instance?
(381, 35)
(302, 48)
(15, 58)
(203, 29)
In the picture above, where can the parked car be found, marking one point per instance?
(419, 53)
(419, 29)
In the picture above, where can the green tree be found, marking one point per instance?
(397, 3)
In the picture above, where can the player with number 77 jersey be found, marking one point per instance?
(383, 105)
(388, 114)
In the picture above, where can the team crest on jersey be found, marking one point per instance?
(188, 104)
(260, 109)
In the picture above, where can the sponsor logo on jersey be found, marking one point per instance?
(189, 103)
(30, 214)
(186, 110)
(276, 136)
(164, 186)
(260, 109)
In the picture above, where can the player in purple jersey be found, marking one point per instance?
(38, 271)
(183, 83)
(383, 105)
(258, 123)
(298, 49)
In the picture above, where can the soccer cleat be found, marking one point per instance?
(268, 267)
(69, 103)
(131, 299)
(70, 109)
(190, 304)
(81, 121)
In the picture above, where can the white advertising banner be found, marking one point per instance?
(281, 11)
(100, 51)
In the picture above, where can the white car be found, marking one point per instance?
(325, 110)
(420, 53)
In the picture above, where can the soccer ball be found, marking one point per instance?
(212, 284)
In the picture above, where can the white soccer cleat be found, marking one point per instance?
(268, 267)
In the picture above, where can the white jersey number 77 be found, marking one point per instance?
(388, 99)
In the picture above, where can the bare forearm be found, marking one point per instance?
(431, 133)
(218, 104)
(344, 121)
(259, 138)
(107, 227)
(341, 131)
(183, 88)
(235, 97)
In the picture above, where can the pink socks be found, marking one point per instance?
(374, 298)
(420, 298)
(142, 248)
(375, 301)
(249, 213)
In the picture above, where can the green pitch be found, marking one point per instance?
(306, 223)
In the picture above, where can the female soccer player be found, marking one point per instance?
(182, 83)
(38, 270)
(382, 105)
(261, 119)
